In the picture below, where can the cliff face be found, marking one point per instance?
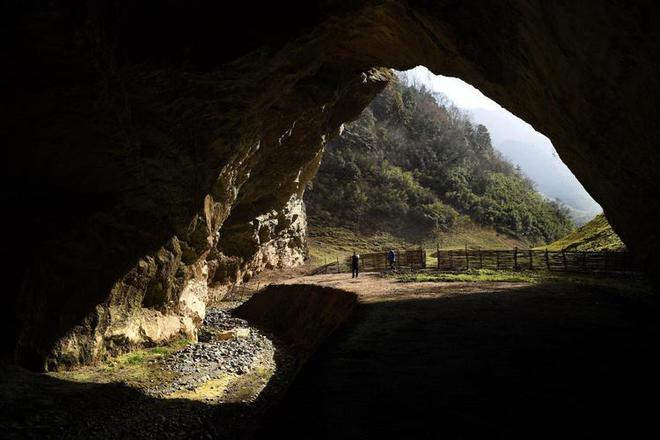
(154, 149)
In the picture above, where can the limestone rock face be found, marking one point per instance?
(154, 149)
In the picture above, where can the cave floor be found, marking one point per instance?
(415, 360)
(478, 360)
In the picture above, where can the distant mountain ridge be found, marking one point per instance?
(535, 155)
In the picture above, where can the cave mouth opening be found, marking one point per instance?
(433, 162)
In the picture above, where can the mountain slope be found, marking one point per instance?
(597, 235)
(415, 169)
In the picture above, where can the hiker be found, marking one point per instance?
(391, 258)
(355, 264)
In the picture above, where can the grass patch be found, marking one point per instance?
(135, 358)
(473, 275)
(136, 368)
(630, 284)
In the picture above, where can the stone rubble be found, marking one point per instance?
(227, 345)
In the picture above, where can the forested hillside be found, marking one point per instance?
(412, 165)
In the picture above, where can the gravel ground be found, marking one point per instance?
(227, 345)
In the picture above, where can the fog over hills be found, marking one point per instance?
(517, 140)
(536, 156)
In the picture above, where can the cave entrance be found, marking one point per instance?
(434, 163)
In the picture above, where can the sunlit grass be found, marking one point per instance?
(326, 242)
(597, 235)
(473, 275)
(628, 284)
(135, 368)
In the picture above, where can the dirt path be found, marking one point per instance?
(477, 360)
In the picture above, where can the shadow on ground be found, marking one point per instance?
(41, 406)
(532, 362)
(526, 361)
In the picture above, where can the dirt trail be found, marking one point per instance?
(477, 360)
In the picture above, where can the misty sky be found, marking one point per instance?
(467, 97)
(460, 92)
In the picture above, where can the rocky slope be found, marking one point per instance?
(154, 149)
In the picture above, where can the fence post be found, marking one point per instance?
(467, 258)
(437, 254)
(325, 264)
(497, 259)
(451, 260)
(481, 260)
(531, 264)
(337, 264)
(515, 258)
(563, 257)
(547, 260)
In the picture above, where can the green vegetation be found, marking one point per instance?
(625, 284)
(135, 368)
(414, 169)
(473, 275)
(335, 241)
(597, 235)
(328, 241)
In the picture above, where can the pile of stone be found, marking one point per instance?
(221, 319)
(226, 345)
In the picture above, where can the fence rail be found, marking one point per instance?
(240, 292)
(374, 262)
(528, 259)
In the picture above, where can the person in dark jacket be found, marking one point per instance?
(355, 264)
(391, 258)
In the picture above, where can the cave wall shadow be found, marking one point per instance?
(530, 362)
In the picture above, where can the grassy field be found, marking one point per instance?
(329, 242)
(628, 284)
(465, 232)
(597, 235)
(332, 242)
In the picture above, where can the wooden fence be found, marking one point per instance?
(240, 292)
(519, 259)
(405, 259)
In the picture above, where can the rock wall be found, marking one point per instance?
(153, 148)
